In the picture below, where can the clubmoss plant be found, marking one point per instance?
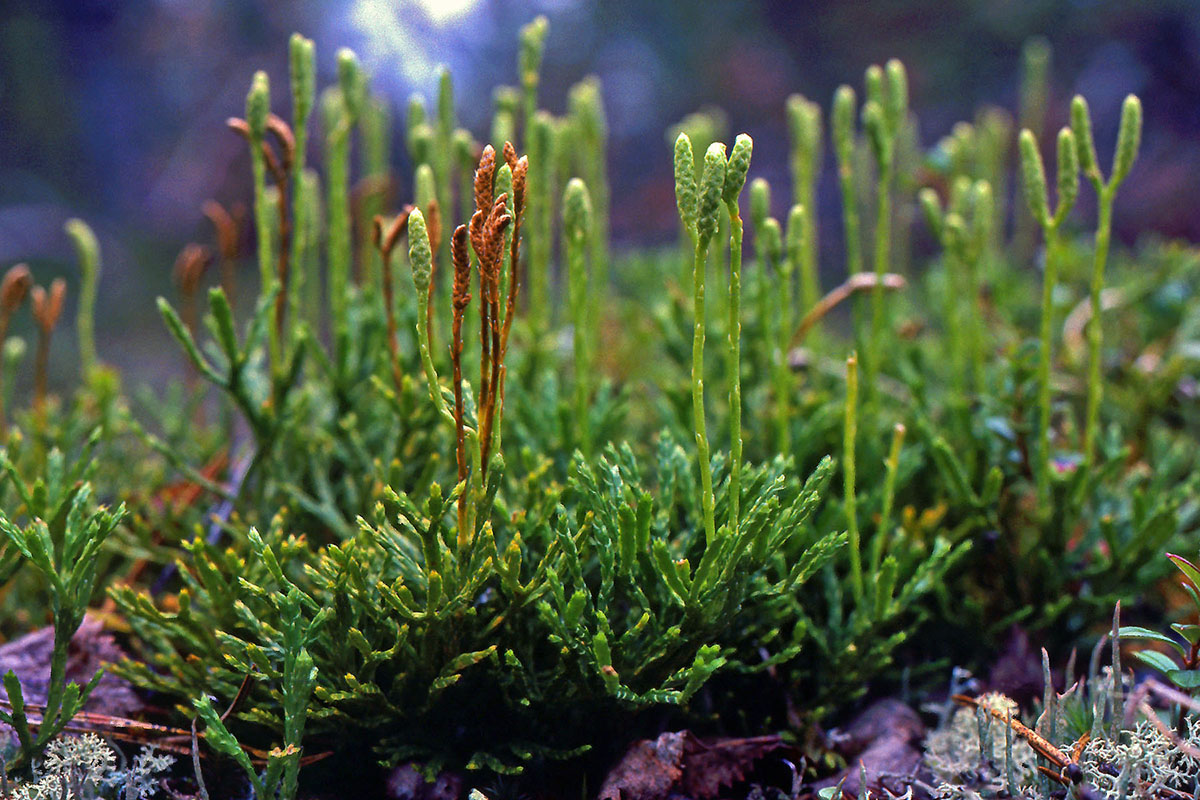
(591, 144)
(529, 67)
(764, 279)
(884, 531)
(507, 102)
(797, 245)
(386, 239)
(302, 63)
(842, 132)
(804, 133)
(964, 230)
(425, 195)
(88, 251)
(735, 178)
(61, 538)
(340, 107)
(699, 208)
(13, 289)
(541, 211)
(577, 229)
(1034, 100)
(883, 114)
(778, 344)
(850, 478)
(297, 677)
(1128, 138)
(1033, 175)
(47, 308)
(258, 107)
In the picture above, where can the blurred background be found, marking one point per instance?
(113, 110)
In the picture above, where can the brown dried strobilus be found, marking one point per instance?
(13, 289)
(368, 188)
(279, 165)
(485, 177)
(47, 307)
(190, 265)
(520, 178)
(433, 225)
(491, 262)
(487, 230)
(228, 231)
(386, 239)
(188, 273)
(460, 298)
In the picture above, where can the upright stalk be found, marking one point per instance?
(843, 135)
(978, 244)
(1128, 139)
(386, 240)
(777, 340)
(420, 256)
(375, 131)
(698, 422)
(340, 110)
(883, 115)
(577, 228)
(13, 289)
(804, 126)
(735, 179)
(88, 250)
(258, 107)
(443, 153)
(529, 66)
(889, 497)
(760, 209)
(849, 436)
(591, 132)
(1034, 93)
(700, 212)
(1033, 174)
(47, 306)
(541, 214)
(302, 58)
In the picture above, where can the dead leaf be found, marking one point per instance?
(678, 762)
(884, 738)
(709, 767)
(90, 649)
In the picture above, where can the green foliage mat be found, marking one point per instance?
(682, 491)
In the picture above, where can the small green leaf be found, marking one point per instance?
(1188, 569)
(1185, 678)
(1134, 632)
(1159, 661)
(1189, 632)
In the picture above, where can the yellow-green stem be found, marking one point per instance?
(338, 208)
(702, 453)
(735, 365)
(889, 497)
(850, 434)
(1095, 330)
(264, 232)
(578, 294)
(1049, 280)
(883, 235)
